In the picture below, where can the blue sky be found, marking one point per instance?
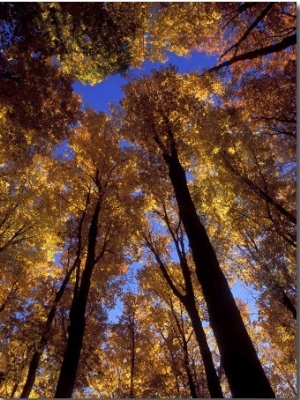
(99, 96)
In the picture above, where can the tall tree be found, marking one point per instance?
(34, 363)
(225, 153)
(105, 172)
(176, 330)
(152, 110)
(69, 368)
(187, 298)
(239, 34)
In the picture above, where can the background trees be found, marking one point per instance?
(84, 196)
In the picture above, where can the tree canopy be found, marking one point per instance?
(123, 234)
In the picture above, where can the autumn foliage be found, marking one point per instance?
(124, 235)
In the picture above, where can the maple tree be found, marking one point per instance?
(34, 363)
(152, 113)
(105, 235)
(187, 298)
(209, 384)
(184, 189)
(164, 367)
(258, 34)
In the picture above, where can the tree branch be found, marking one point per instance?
(248, 31)
(263, 51)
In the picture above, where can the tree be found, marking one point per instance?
(32, 222)
(99, 39)
(41, 98)
(264, 31)
(105, 229)
(148, 107)
(40, 45)
(156, 373)
(187, 298)
(259, 34)
(175, 328)
(255, 153)
(192, 173)
(34, 363)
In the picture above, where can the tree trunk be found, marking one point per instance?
(191, 382)
(186, 359)
(244, 372)
(213, 382)
(33, 366)
(14, 389)
(132, 361)
(286, 301)
(67, 376)
(34, 363)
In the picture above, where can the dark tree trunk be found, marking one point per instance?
(14, 389)
(34, 363)
(33, 366)
(286, 301)
(132, 361)
(243, 369)
(192, 386)
(213, 382)
(67, 376)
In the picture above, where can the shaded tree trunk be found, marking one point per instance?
(67, 376)
(191, 382)
(14, 389)
(34, 363)
(286, 301)
(33, 366)
(132, 357)
(243, 369)
(213, 382)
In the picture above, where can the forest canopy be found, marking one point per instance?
(156, 208)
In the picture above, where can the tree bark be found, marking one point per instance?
(243, 369)
(67, 376)
(213, 382)
(33, 366)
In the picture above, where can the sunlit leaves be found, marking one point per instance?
(193, 20)
(235, 135)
